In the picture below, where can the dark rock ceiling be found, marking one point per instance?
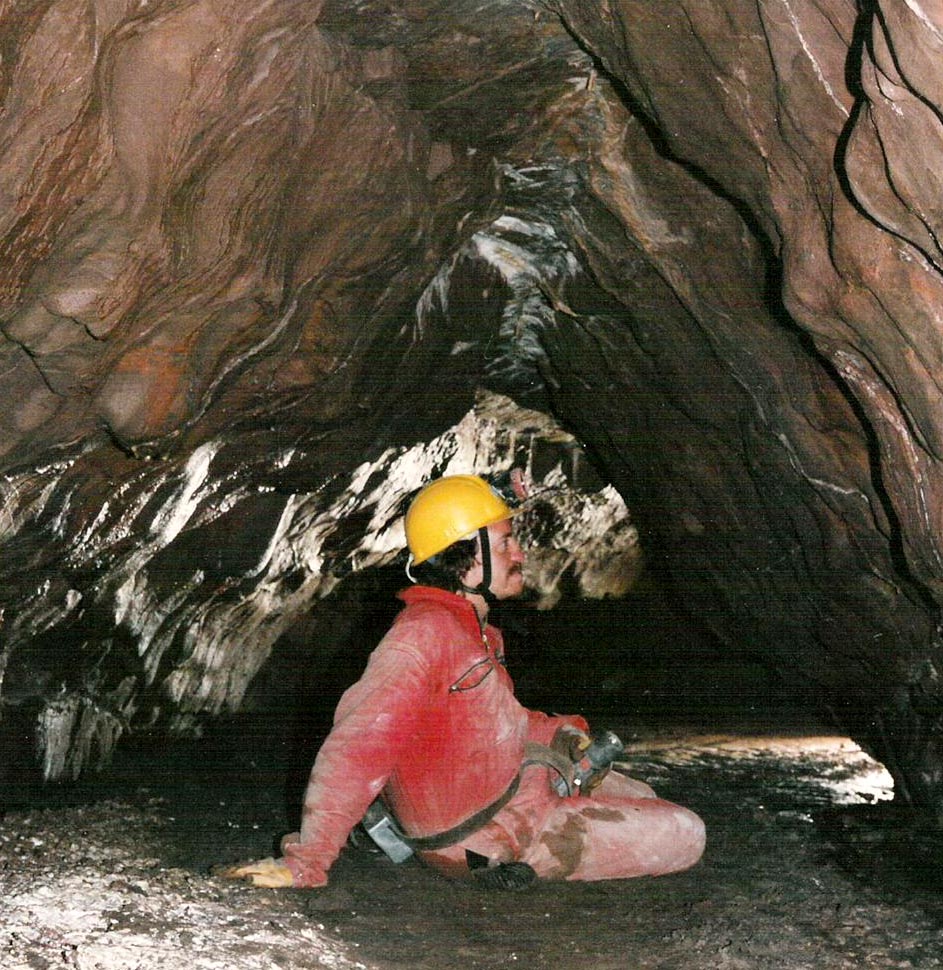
(265, 265)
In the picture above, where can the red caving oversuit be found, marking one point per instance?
(434, 726)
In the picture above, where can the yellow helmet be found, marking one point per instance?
(449, 509)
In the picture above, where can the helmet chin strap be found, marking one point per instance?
(483, 589)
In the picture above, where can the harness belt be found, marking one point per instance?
(472, 824)
(383, 827)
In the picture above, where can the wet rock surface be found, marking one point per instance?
(807, 868)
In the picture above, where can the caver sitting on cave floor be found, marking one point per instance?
(472, 778)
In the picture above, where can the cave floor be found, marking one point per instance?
(807, 866)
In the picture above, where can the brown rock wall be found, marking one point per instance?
(175, 193)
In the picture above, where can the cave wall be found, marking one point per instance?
(785, 123)
(265, 265)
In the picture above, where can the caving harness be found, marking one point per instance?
(382, 827)
(572, 778)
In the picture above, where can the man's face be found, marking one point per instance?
(507, 560)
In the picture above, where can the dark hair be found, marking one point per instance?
(446, 569)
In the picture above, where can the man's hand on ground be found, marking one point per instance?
(266, 873)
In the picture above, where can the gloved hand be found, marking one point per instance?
(268, 873)
(571, 742)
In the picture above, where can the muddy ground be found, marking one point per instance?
(808, 867)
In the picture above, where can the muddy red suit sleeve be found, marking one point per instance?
(373, 724)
